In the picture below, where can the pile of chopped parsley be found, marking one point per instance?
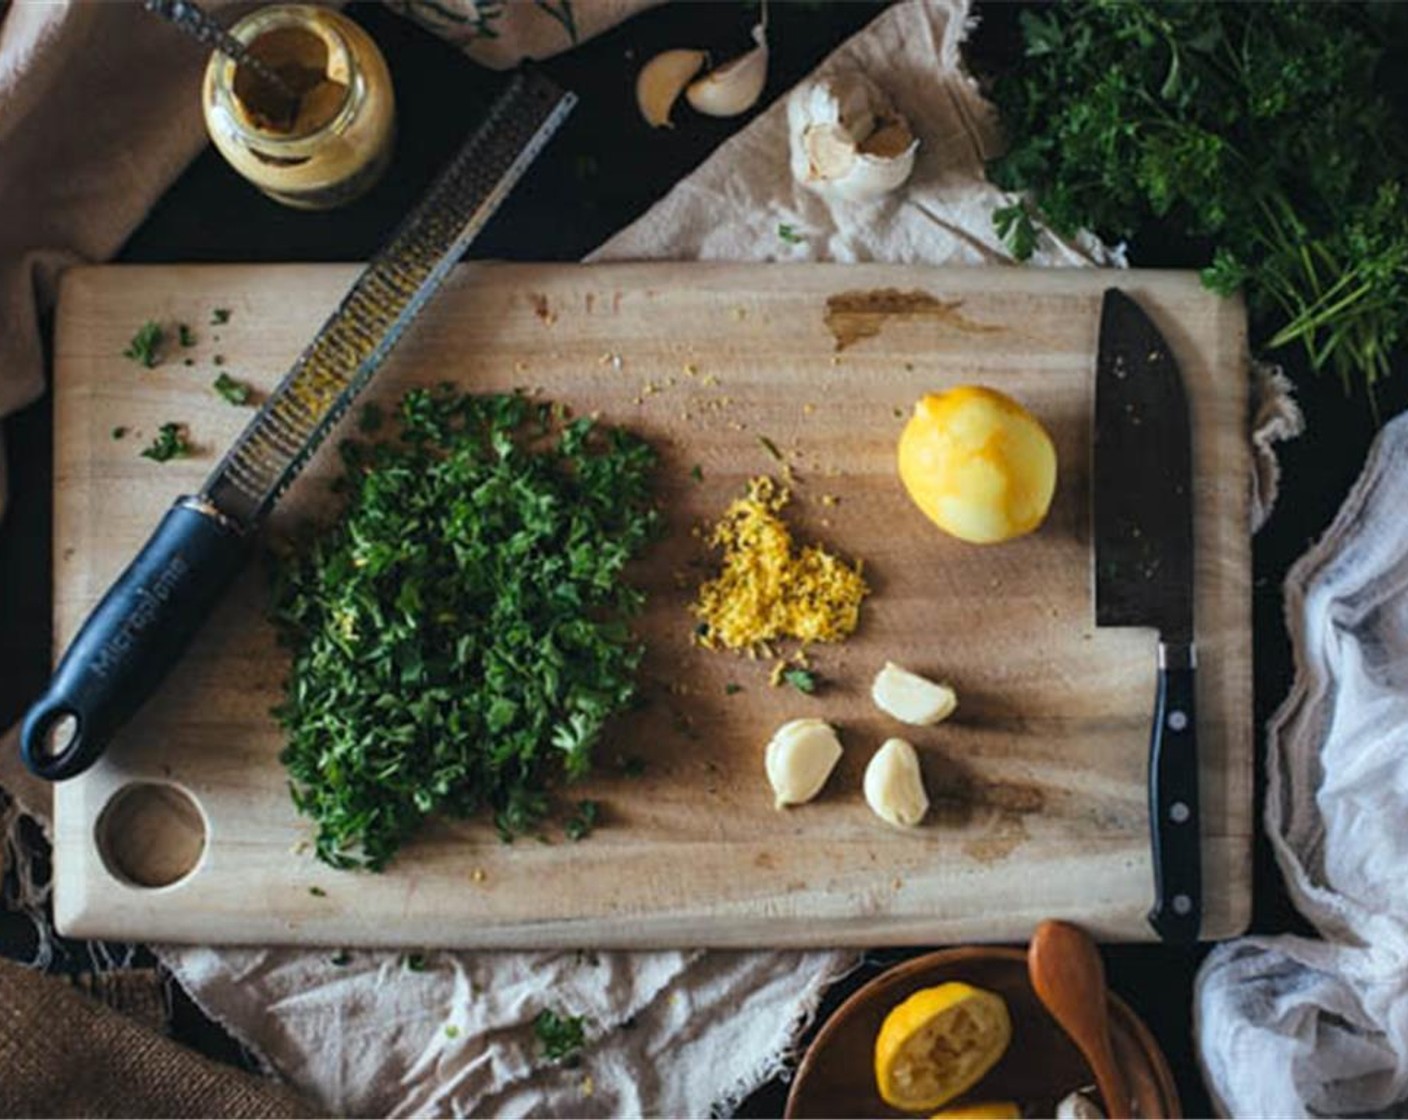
(461, 635)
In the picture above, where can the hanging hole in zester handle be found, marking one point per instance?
(51, 742)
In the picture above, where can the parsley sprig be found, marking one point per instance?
(461, 636)
(1269, 132)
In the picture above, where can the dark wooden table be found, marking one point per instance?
(602, 171)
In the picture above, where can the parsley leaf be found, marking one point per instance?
(581, 825)
(219, 316)
(232, 389)
(170, 443)
(561, 1036)
(803, 680)
(789, 234)
(145, 347)
(1015, 227)
(184, 335)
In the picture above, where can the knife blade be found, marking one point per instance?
(149, 615)
(1142, 499)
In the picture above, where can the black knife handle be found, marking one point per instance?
(144, 622)
(1173, 799)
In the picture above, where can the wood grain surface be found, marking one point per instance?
(1038, 782)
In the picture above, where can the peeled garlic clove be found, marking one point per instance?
(894, 787)
(662, 80)
(736, 85)
(1077, 1106)
(911, 698)
(799, 759)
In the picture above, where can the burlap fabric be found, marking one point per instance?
(62, 1053)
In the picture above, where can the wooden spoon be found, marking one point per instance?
(1069, 978)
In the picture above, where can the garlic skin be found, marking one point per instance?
(847, 140)
(1077, 1106)
(911, 698)
(662, 80)
(894, 786)
(799, 759)
(735, 86)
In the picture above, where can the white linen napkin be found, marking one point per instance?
(1290, 1026)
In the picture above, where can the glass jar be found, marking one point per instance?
(333, 140)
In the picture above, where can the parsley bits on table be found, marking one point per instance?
(461, 635)
(145, 347)
(171, 442)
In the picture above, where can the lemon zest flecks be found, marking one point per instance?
(768, 588)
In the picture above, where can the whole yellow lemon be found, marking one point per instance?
(978, 464)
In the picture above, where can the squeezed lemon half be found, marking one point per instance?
(937, 1044)
(981, 1110)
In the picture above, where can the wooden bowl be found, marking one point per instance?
(837, 1073)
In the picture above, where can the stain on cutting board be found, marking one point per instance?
(852, 316)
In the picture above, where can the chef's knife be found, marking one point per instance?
(1143, 529)
(148, 617)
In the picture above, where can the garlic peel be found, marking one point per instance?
(847, 139)
(894, 786)
(911, 698)
(1077, 1106)
(735, 86)
(662, 80)
(799, 759)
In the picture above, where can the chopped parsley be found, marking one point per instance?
(371, 418)
(580, 825)
(451, 1031)
(770, 447)
(145, 347)
(119, 431)
(317, 892)
(561, 1036)
(461, 636)
(414, 962)
(732, 689)
(342, 958)
(219, 316)
(170, 443)
(696, 472)
(232, 389)
(789, 234)
(803, 680)
(219, 359)
(185, 335)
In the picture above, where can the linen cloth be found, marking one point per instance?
(1289, 1026)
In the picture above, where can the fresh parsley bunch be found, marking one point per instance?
(460, 636)
(1272, 130)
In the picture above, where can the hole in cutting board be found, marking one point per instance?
(150, 834)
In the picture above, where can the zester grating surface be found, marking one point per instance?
(380, 305)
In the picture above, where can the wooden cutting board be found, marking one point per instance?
(185, 832)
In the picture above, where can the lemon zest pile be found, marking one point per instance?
(768, 588)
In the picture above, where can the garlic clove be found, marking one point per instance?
(831, 153)
(911, 698)
(894, 786)
(662, 80)
(735, 86)
(799, 759)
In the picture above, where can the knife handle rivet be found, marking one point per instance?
(1177, 720)
(1182, 904)
(1178, 812)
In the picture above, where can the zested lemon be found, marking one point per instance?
(938, 1043)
